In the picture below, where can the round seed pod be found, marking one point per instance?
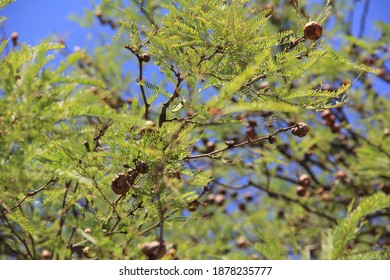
(300, 191)
(120, 184)
(301, 130)
(335, 128)
(271, 139)
(145, 57)
(341, 175)
(312, 30)
(142, 167)
(326, 114)
(14, 38)
(220, 199)
(385, 187)
(46, 254)
(193, 206)
(154, 250)
(304, 180)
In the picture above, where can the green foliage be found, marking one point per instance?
(335, 242)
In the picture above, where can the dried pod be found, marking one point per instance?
(45, 254)
(385, 187)
(14, 38)
(193, 206)
(264, 85)
(300, 191)
(210, 146)
(154, 250)
(248, 196)
(252, 123)
(304, 180)
(120, 184)
(148, 128)
(325, 197)
(335, 128)
(210, 198)
(301, 130)
(142, 167)
(241, 242)
(271, 139)
(326, 114)
(242, 206)
(312, 30)
(219, 199)
(145, 57)
(341, 175)
(250, 132)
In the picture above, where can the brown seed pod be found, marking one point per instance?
(326, 114)
(193, 206)
(341, 175)
(148, 128)
(304, 180)
(14, 38)
(210, 146)
(219, 199)
(242, 206)
(271, 139)
(154, 250)
(385, 187)
(142, 167)
(248, 196)
(300, 191)
(45, 254)
(241, 242)
(252, 123)
(335, 128)
(120, 184)
(325, 197)
(264, 85)
(312, 30)
(145, 57)
(301, 130)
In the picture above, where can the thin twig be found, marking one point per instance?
(163, 114)
(29, 194)
(232, 146)
(294, 201)
(157, 224)
(140, 80)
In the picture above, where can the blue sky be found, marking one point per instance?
(36, 20)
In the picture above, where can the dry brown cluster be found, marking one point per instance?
(312, 30)
(329, 120)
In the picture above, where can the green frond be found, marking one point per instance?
(337, 58)
(4, 3)
(348, 228)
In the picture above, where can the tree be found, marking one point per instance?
(246, 135)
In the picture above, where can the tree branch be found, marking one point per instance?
(294, 201)
(163, 114)
(233, 145)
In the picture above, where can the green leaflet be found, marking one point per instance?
(22, 221)
(349, 227)
(336, 57)
(260, 106)
(4, 3)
